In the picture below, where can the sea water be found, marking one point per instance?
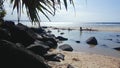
(107, 40)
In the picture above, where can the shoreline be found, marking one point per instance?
(86, 60)
(106, 29)
(29, 47)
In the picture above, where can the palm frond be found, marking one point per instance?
(33, 7)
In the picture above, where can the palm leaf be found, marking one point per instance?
(35, 6)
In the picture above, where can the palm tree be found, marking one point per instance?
(33, 7)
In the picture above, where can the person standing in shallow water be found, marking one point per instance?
(80, 28)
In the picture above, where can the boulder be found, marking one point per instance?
(70, 66)
(49, 31)
(39, 30)
(117, 48)
(4, 34)
(22, 36)
(29, 31)
(51, 35)
(8, 23)
(77, 41)
(61, 38)
(92, 40)
(51, 44)
(17, 57)
(18, 34)
(118, 35)
(52, 41)
(39, 49)
(54, 57)
(62, 33)
(45, 27)
(66, 47)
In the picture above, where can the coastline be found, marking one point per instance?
(32, 50)
(106, 29)
(86, 60)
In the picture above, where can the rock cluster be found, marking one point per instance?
(24, 47)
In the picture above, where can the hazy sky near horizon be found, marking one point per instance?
(90, 11)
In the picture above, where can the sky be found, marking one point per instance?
(85, 11)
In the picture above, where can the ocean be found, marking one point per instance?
(108, 38)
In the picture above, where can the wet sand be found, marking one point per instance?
(86, 60)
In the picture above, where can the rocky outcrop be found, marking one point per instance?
(66, 47)
(92, 40)
(17, 57)
(21, 46)
(18, 34)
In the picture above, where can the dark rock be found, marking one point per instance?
(62, 33)
(77, 41)
(61, 38)
(8, 23)
(39, 49)
(54, 57)
(69, 29)
(20, 45)
(39, 30)
(117, 41)
(118, 48)
(49, 31)
(29, 31)
(22, 36)
(17, 57)
(55, 28)
(39, 42)
(4, 34)
(92, 40)
(104, 45)
(19, 33)
(110, 39)
(70, 66)
(50, 40)
(118, 35)
(46, 43)
(44, 27)
(51, 44)
(66, 47)
(51, 35)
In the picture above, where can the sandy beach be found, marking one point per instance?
(86, 60)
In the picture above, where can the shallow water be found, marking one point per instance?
(105, 44)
